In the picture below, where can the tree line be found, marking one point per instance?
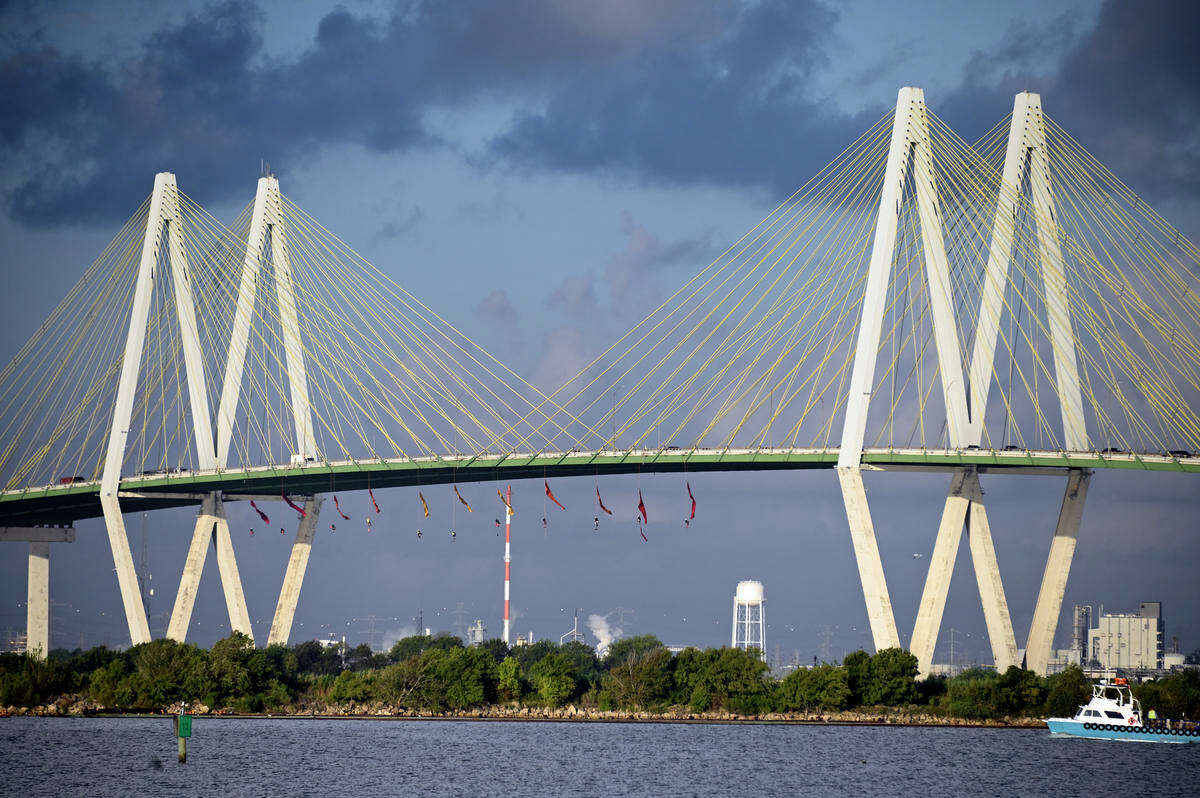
(438, 674)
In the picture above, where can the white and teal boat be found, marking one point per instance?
(1114, 714)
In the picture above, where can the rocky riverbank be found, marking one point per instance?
(77, 706)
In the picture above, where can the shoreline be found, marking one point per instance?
(563, 715)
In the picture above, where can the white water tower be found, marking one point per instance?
(749, 617)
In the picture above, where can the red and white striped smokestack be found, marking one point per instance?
(507, 556)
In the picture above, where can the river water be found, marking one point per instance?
(309, 757)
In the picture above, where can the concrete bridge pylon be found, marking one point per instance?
(910, 153)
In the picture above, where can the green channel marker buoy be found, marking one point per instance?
(183, 730)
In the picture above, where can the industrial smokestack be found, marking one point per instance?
(508, 513)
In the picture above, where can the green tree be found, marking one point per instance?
(527, 656)
(553, 676)
(360, 657)
(1173, 696)
(27, 681)
(411, 646)
(84, 662)
(109, 686)
(165, 671)
(931, 688)
(405, 683)
(642, 678)
(496, 647)
(891, 680)
(509, 687)
(626, 646)
(858, 675)
(1066, 691)
(284, 664)
(352, 687)
(583, 661)
(732, 679)
(230, 679)
(314, 658)
(823, 687)
(1019, 692)
(467, 675)
(973, 694)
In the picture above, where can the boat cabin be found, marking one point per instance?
(1112, 702)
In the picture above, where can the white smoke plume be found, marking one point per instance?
(606, 634)
(392, 636)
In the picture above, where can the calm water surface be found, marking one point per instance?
(136, 756)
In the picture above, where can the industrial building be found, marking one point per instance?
(1128, 641)
(1118, 641)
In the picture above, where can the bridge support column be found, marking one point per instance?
(866, 553)
(991, 588)
(211, 528)
(37, 603)
(289, 594)
(131, 597)
(941, 566)
(1058, 567)
(37, 591)
(193, 568)
(964, 506)
(231, 579)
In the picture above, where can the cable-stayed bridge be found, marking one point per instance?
(921, 303)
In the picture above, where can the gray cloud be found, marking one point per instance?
(1127, 89)
(731, 110)
(201, 99)
(681, 92)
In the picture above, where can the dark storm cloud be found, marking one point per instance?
(1127, 90)
(684, 92)
(1134, 87)
(733, 109)
(200, 97)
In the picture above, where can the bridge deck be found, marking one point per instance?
(61, 504)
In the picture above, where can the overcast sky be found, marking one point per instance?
(531, 149)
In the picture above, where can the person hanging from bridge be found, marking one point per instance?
(504, 501)
(333, 527)
(339, 508)
(453, 534)
(293, 505)
(599, 501)
(261, 515)
(461, 499)
(497, 527)
(642, 517)
(369, 527)
(551, 495)
(418, 534)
